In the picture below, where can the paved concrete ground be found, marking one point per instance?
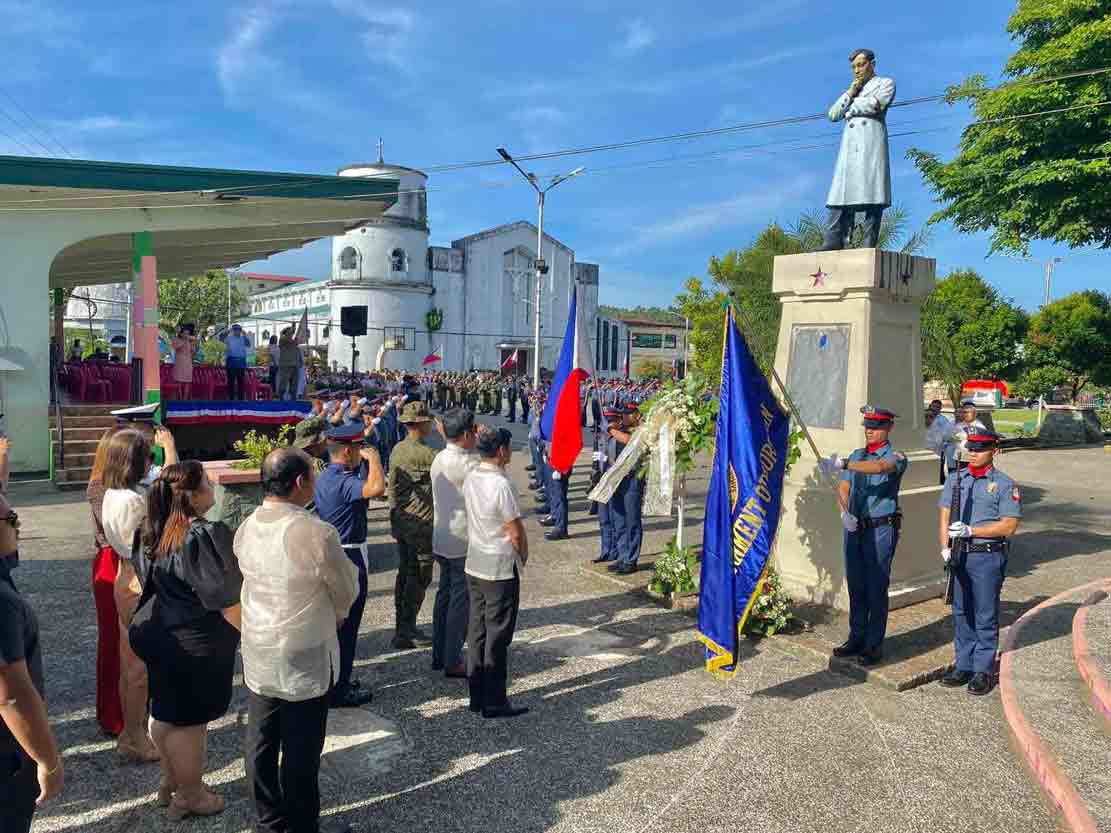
(626, 733)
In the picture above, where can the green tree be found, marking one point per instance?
(1044, 177)
(705, 310)
(651, 369)
(200, 300)
(1072, 337)
(641, 313)
(969, 332)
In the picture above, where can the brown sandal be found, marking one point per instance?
(136, 755)
(211, 805)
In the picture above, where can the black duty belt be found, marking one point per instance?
(893, 519)
(997, 545)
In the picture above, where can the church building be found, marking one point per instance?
(471, 302)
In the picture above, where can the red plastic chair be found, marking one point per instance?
(96, 389)
(219, 383)
(169, 388)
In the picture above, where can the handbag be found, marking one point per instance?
(139, 632)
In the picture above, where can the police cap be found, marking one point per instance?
(351, 434)
(611, 413)
(983, 440)
(876, 417)
(631, 408)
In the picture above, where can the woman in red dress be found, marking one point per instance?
(109, 709)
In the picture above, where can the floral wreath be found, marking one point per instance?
(434, 319)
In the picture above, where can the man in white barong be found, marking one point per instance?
(862, 179)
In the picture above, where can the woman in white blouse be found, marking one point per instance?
(127, 467)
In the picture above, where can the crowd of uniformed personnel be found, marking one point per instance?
(375, 431)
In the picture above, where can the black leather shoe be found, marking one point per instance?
(848, 648)
(601, 559)
(402, 643)
(869, 657)
(350, 698)
(981, 683)
(956, 679)
(547, 521)
(530, 467)
(626, 569)
(555, 535)
(420, 639)
(508, 710)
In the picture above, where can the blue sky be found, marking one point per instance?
(310, 85)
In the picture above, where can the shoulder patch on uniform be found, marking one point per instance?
(1015, 495)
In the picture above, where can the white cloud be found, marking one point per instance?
(637, 35)
(242, 60)
(538, 127)
(703, 218)
(103, 124)
(389, 33)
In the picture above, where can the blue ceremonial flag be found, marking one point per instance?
(742, 507)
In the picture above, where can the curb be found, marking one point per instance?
(1099, 687)
(1053, 781)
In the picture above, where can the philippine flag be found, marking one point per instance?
(561, 422)
(433, 357)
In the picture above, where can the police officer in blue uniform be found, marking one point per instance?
(627, 503)
(352, 477)
(607, 457)
(975, 547)
(869, 498)
(556, 492)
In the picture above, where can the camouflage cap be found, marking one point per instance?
(415, 412)
(309, 432)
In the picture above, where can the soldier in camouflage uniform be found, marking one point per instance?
(409, 488)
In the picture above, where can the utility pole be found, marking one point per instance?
(541, 264)
(1047, 267)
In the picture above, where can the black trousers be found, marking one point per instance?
(840, 221)
(19, 787)
(286, 796)
(348, 632)
(512, 408)
(494, 606)
(235, 382)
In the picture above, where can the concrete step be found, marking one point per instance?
(100, 422)
(1045, 703)
(80, 460)
(77, 446)
(1091, 647)
(78, 434)
(100, 409)
(72, 478)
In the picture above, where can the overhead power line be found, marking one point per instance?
(33, 121)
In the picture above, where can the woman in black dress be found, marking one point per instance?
(186, 630)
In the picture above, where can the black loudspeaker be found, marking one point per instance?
(352, 321)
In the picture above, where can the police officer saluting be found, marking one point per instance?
(352, 477)
(869, 497)
(974, 546)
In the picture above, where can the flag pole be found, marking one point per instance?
(746, 324)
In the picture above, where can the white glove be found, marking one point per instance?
(596, 457)
(826, 468)
(849, 522)
(946, 554)
(959, 530)
(556, 475)
(838, 462)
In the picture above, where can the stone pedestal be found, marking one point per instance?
(238, 492)
(1067, 425)
(850, 336)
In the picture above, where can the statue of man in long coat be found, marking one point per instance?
(862, 179)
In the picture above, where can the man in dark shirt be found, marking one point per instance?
(352, 477)
(30, 766)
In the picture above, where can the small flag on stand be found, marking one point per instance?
(436, 355)
(302, 336)
(511, 361)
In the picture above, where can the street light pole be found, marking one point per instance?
(1048, 268)
(541, 265)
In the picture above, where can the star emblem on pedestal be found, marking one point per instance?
(819, 278)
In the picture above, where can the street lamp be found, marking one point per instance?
(1047, 265)
(541, 266)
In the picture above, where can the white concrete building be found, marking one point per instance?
(473, 299)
